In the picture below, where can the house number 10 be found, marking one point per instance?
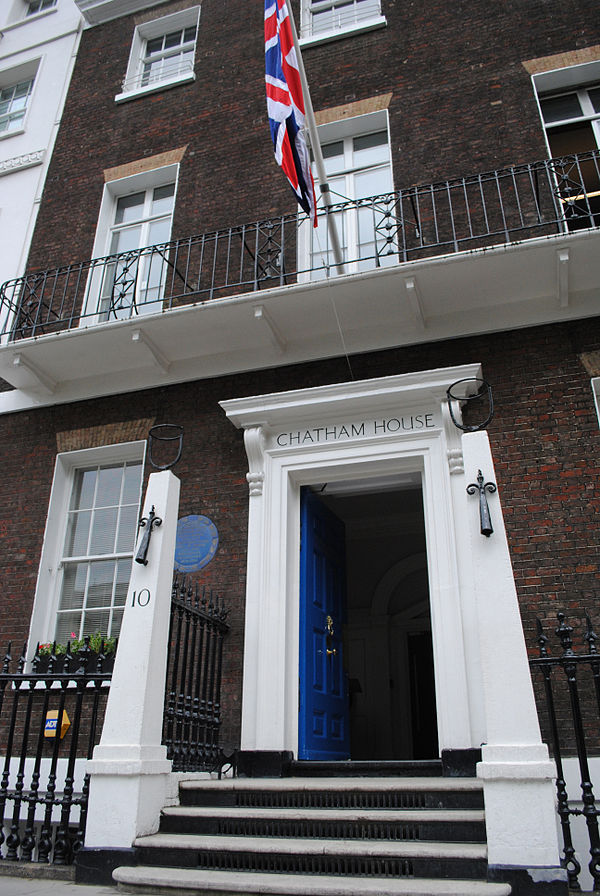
(142, 599)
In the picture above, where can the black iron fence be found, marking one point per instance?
(501, 206)
(192, 717)
(570, 715)
(49, 725)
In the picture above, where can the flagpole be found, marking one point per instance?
(311, 125)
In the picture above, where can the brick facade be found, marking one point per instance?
(545, 441)
(473, 111)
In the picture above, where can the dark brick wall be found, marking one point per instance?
(462, 103)
(545, 440)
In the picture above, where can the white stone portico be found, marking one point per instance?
(387, 428)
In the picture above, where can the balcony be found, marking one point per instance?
(513, 247)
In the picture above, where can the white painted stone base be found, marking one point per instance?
(142, 787)
(520, 814)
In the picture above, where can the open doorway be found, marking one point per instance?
(386, 655)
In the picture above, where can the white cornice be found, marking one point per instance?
(18, 163)
(96, 12)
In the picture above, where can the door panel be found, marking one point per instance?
(323, 724)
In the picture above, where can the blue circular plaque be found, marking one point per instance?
(196, 543)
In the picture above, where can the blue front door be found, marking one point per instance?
(323, 724)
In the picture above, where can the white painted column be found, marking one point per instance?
(516, 770)
(254, 440)
(129, 769)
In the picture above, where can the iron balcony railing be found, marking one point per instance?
(503, 206)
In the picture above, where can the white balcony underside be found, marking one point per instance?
(534, 282)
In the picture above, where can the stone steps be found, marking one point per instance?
(299, 836)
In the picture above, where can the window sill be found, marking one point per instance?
(155, 88)
(324, 37)
(7, 134)
(33, 18)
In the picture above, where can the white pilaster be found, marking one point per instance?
(516, 770)
(129, 769)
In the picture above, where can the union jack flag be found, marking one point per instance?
(285, 105)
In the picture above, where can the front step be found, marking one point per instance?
(336, 793)
(360, 768)
(170, 881)
(320, 836)
(308, 856)
(361, 824)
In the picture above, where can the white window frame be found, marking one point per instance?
(29, 3)
(177, 21)
(331, 132)
(565, 80)
(47, 592)
(9, 77)
(572, 79)
(113, 191)
(355, 25)
(20, 15)
(595, 383)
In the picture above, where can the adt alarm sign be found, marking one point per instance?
(196, 543)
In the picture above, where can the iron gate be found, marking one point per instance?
(571, 710)
(49, 725)
(192, 717)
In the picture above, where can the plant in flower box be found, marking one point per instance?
(89, 654)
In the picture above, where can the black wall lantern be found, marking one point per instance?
(471, 390)
(163, 436)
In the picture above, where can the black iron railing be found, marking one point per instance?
(502, 206)
(192, 718)
(571, 712)
(49, 725)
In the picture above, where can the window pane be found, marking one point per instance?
(109, 486)
(126, 240)
(594, 95)
(117, 618)
(173, 39)
(83, 489)
(100, 585)
(371, 149)
(155, 45)
(560, 108)
(127, 529)
(96, 621)
(122, 584)
(162, 199)
(129, 208)
(373, 183)
(103, 531)
(131, 484)
(74, 582)
(66, 625)
(78, 527)
(159, 232)
(189, 34)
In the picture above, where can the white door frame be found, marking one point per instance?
(482, 679)
(337, 433)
